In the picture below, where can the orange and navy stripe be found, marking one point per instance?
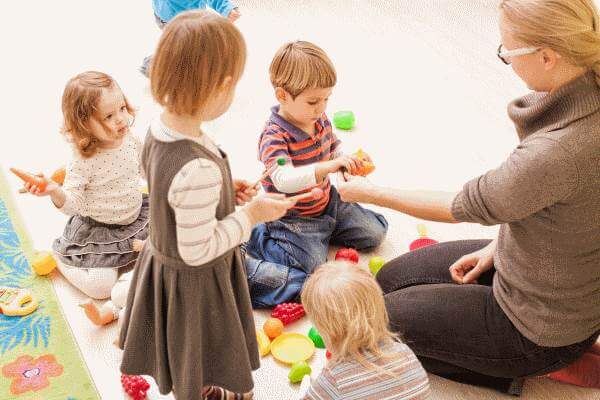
(280, 138)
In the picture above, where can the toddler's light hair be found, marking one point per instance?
(346, 306)
(80, 103)
(300, 65)
(196, 52)
(569, 27)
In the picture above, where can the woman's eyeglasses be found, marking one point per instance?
(505, 55)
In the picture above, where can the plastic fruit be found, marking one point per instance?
(344, 120)
(423, 240)
(298, 371)
(288, 312)
(26, 177)
(347, 254)
(313, 334)
(135, 386)
(264, 344)
(328, 354)
(273, 327)
(59, 176)
(375, 264)
(43, 263)
(367, 166)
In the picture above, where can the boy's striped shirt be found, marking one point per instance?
(280, 138)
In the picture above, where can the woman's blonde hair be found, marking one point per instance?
(569, 27)
(196, 52)
(300, 65)
(347, 308)
(80, 103)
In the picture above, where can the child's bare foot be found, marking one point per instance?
(138, 245)
(98, 315)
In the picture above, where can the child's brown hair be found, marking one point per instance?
(80, 103)
(196, 52)
(300, 65)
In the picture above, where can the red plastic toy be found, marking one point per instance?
(328, 354)
(288, 312)
(347, 254)
(135, 386)
(423, 240)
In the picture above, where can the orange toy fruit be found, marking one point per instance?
(273, 327)
(59, 176)
(38, 181)
(367, 166)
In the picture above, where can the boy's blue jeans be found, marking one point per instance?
(282, 254)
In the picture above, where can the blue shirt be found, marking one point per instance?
(166, 10)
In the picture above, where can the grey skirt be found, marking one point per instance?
(87, 243)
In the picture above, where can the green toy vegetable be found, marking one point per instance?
(298, 371)
(313, 334)
(344, 120)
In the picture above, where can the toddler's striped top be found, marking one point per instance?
(280, 138)
(353, 381)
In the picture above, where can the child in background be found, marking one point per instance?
(283, 253)
(101, 193)
(188, 321)
(166, 10)
(368, 361)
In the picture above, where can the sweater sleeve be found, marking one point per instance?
(223, 7)
(323, 388)
(538, 174)
(76, 179)
(194, 195)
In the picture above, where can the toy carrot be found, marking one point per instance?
(40, 182)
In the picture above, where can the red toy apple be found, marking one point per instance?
(347, 254)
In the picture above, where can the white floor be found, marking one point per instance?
(429, 94)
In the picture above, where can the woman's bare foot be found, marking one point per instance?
(98, 315)
(138, 245)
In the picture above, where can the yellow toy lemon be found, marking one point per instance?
(264, 344)
(43, 263)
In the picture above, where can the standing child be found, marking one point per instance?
(368, 361)
(166, 10)
(283, 253)
(189, 321)
(101, 192)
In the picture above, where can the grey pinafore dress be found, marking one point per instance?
(187, 326)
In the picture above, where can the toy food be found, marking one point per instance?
(375, 264)
(59, 176)
(26, 177)
(298, 371)
(16, 302)
(43, 263)
(273, 327)
(328, 354)
(347, 254)
(367, 166)
(288, 312)
(264, 344)
(290, 348)
(344, 120)
(423, 240)
(313, 334)
(135, 386)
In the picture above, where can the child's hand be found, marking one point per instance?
(35, 190)
(243, 191)
(349, 163)
(234, 14)
(268, 207)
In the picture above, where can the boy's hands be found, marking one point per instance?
(243, 191)
(234, 14)
(268, 207)
(343, 163)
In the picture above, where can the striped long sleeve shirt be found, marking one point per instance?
(281, 139)
(353, 381)
(194, 196)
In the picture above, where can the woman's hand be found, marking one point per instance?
(243, 191)
(470, 267)
(356, 189)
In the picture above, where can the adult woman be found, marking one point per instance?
(536, 305)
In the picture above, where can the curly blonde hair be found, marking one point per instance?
(569, 27)
(80, 103)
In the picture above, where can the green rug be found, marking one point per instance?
(39, 358)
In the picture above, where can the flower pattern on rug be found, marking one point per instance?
(31, 374)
